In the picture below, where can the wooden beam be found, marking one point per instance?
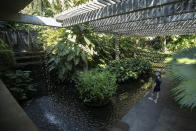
(154, 8)
(175, 20)
(30, 19)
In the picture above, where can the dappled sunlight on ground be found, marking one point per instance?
(186, 61)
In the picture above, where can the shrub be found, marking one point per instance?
(7, 60)
(64, 58)
(95, 86)
(19, 83)
(129, 68)
(3, 45)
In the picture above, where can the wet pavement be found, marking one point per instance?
(66, 112)
(166, 115)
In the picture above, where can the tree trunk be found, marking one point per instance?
(85, 67)
(164, 44)
(117, 51)
(135, 48)
(30, 41)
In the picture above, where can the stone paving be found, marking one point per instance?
(166, 115)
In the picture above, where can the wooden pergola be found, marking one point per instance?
(125, 17)
(135, 17)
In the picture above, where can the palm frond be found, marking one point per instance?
(185, 93)
(181, 69)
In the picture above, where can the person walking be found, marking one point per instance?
(157, 88)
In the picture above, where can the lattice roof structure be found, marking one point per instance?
(135, 17)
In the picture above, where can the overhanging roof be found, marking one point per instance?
(9, 11)
(13, 6)
(137, 17)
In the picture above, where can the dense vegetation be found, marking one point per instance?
(78, 48)
(127, 69)
(21, 84)
(96, 86)
(18, 82)
(7, 60)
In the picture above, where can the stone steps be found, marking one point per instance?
(18, 54)
(31, 61)
(26, 59)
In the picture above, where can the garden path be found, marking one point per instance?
(166, 115)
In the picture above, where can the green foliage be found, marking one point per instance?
(64, 58)
(177, 43)
(51, 37)
(185, 93)
(181, 68)
(104, 46)
(19, 83)
(7, 60)
(3, 45)
(182, 65)
(68, 49)
(129, 68)
(95, 86)
(151, 55)
(155, 43)
(50, 8)
(125, 42)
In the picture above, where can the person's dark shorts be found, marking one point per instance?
(156, 89)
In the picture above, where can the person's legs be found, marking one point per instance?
(157, 97)
(152, 95)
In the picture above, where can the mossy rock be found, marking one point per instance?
(7, 60)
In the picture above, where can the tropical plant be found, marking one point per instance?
(152, 55)
(180, 42)
(7, 60)
(19, 83)
(96, 86)
(50, 7)
(181, 68)
(67, 49)
(65, 58)
(3, 45)
(129, 68)
(104, 46)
